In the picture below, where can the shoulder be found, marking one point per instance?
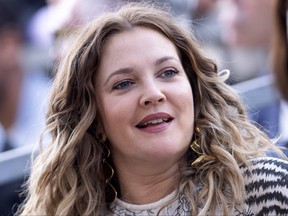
(271, 168)
(266, 184)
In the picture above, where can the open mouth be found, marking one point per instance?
(154, 122)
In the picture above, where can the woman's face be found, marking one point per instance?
(144, 97)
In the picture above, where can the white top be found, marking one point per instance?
(179, 206)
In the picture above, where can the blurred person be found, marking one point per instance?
(137, 131)
(280, 63)
(202, 8)
(54, 14)
(22, 94)
(41, 30)
(62, 18)
(247, 28)
(243, 19)
(279, 48)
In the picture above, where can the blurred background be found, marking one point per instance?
(34, 35)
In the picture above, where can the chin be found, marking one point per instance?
(169, 152)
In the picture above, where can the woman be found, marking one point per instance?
(136, 96)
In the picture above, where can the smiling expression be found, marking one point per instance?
(144, 97)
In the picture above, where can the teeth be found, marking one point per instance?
(156, 121)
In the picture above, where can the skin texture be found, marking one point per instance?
(146, 79)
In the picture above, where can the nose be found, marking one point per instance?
(152, 95)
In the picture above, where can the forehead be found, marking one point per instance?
(137, 41)
(135, 49)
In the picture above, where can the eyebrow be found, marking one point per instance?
(166, 58)
(129, 70)
(119, 71)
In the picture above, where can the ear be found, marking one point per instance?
(100, 127)
(101, 132)
(104, 137)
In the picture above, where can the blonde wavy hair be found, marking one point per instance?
(67, 176)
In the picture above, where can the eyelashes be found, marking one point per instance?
(123, 84)
(167, 74)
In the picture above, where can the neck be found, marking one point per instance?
(147, 184)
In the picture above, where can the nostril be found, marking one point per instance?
(146, 103)
(152, 97)
(159, 100)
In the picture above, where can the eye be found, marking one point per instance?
(123, 84)
(168, 73)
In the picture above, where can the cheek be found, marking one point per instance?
(188, 109)
(186, 104)
(184, 96)
(114, 114)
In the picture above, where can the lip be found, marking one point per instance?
(154, 116)
(157, 127)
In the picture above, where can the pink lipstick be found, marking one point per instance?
(155, 123)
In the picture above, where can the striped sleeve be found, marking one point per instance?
(267, 186)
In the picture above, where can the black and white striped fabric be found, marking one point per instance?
(267, 186)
